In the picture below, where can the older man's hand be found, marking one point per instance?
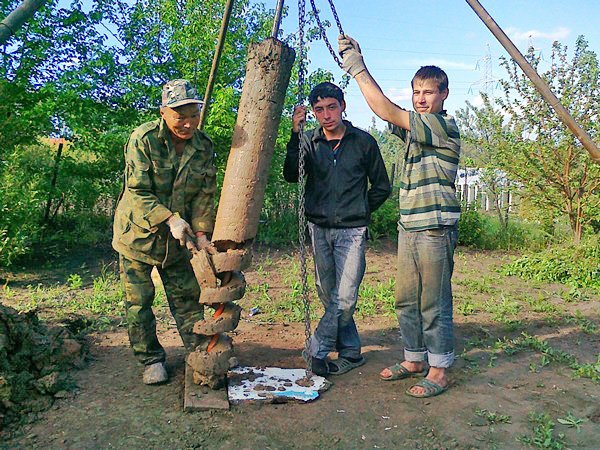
(180, 229)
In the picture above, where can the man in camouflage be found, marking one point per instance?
(167, 203)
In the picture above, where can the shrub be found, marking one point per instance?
(470, 227)
(384, 221)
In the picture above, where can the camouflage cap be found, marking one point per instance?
(179, 92)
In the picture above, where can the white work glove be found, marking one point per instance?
(352, 59)
(180, 229)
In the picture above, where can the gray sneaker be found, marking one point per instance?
(155, 373)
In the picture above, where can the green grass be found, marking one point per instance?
(481, 286)
(541, 304)
(571, 421)
(101, 304)
(549, 355)
(575, 265)
(465, 306)
(543, 435)
(493, 417)
(376, 299)
(586, 325)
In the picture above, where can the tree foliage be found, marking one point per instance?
(523, 136)
(89, 73)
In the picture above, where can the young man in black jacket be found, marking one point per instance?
(341, 162)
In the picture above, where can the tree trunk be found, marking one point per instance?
(53, 182)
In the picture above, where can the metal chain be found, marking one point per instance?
(322, 29)
(301, 192)
(335, 16)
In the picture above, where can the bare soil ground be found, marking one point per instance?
(491, 403)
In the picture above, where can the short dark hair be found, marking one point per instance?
(325, 90)
(432, 73)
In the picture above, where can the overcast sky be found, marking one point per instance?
(399, 36)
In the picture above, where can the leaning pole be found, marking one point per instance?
(219, 269)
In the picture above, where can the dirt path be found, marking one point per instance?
(492, 401)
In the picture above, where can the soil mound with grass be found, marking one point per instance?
(35, 361)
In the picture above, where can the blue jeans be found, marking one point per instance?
(339, 255)
(424, 294)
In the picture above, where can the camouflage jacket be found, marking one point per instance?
(158, 184)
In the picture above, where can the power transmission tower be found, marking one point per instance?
(487, 83)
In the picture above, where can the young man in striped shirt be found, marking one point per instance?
(428, 225)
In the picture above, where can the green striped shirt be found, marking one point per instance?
(427, 192)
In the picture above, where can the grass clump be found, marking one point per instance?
(543, 433)
(574, 265)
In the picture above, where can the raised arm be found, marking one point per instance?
(354, 64)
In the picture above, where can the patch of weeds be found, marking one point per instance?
(505, 306)
(366, 305)
(474, 342)
(492, 361)
(472, 366)
(575, 264)
(74, 281)
(571, 421)
(492, 417)
(541, 304)
(8, 293)
(377, 298)
(106, 296)
(543, 433)
(549, 354)
(466, 306)
(39, 296)
(586, 325)
(293, 308)
(574, 295)
(480, 286)
(160, 298)
(261, 270)
(504, 311)
(591, 370)
(104, 323)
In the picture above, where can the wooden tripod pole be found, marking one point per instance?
(215, 62)
(17, 18)
(540, 84)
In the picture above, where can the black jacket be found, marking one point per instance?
(337, 191)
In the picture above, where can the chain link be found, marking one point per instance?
(335, 16)
(301, 193)
(322, 29)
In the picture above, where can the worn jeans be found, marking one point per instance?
(339, 255)
(424, 294)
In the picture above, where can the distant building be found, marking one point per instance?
(472, 190)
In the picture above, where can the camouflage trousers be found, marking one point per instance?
(182, 291)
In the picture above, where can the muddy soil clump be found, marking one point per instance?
(35, 360)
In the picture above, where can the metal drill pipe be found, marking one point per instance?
(215, 63)
(277, 20)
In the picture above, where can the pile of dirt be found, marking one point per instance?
(35, 360)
